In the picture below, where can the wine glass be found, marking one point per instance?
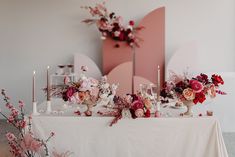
(153, 91)
(143, 89)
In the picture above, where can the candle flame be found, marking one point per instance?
(34, 72)
(158, 67)
(48, 67)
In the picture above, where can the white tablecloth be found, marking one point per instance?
(151, 137)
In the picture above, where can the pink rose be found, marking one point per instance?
(196, 86)
(139, 113)
(188, 94)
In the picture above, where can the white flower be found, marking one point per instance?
(130, 27)
(116, 33)
(102, 37)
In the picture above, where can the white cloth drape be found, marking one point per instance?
(144, 137)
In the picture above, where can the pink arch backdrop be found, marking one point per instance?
(149, 55)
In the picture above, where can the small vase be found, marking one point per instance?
(189, 105)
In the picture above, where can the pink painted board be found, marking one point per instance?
(152, 50)
(122, 74)
(113, 56)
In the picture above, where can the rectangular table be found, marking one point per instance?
(150, 137)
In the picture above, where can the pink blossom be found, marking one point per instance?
(196, 86)
(9, 105)
(21, 104)
(29, 143)
(10, 119)
(10, 137)
(14, 112)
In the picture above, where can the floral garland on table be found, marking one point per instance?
(193, 89)
(24, 144)
(111, 25)
(129, 106)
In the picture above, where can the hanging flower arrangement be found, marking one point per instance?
(110, 25)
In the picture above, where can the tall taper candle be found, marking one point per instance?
(48, 84)
(158, 83)
(133, 71)
(33, 93)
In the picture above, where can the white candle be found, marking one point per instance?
(48, 84)
(158, 83)
(33, 93)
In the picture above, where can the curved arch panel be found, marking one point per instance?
(152, 50)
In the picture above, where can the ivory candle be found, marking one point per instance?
(33, 92)
(48, 84)
(158, 83)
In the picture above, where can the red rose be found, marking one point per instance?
(217, 79)
(147, 113)
(199, 97)
(132, 23)
(138, 104)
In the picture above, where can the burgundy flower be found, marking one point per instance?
(203, 78)
(70, 92)
(138, 104)
(132, 23)
(217, 79)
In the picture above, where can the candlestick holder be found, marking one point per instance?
(158, 109)
(49, 110)
(35, 111)
(158, 106)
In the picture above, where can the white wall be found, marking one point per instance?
(37, 33)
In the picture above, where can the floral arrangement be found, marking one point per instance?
(129, 106)
(111, 25)
(193, 89)
(86, 90)
(24, 144)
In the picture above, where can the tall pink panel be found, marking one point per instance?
(149, 55)
(113, 56)
(152, 50)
